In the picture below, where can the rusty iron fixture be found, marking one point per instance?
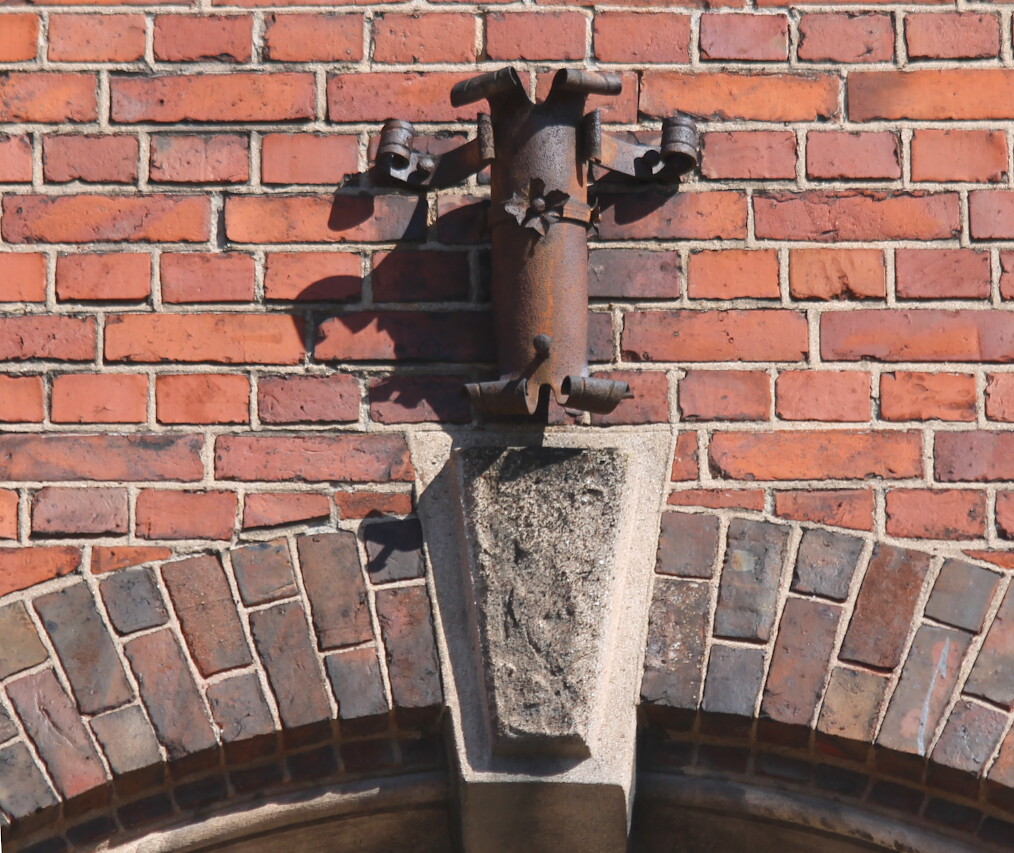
(540, 157)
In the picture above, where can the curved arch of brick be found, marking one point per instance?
(779, 654)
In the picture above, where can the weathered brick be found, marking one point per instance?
(826, 563)
(687, 545)
(748, 590)
(942, 274)
(735, 395)
(107, 398)
(1000, 397)
(406, 626)
(965, 747)
(109, 558)
(959, 155)
(90, 158)
(936, 513)
(242, 715)
(535, 35)
(407, 275)
(23, 788)
(394, 550)
(96, 38)
(22, 277)
(9, 500)
(733, 273)
(973, 456)
(950, 35)
(19, 42)
(992, 676)
(818, 395)
(312, 458)
(748, 499)
(313, 276)
(85, 649)
(846, 38)
(962, 595)
(206, 158)
(54, 337)
(21, 568)
(851, 156)
(282, 638)
(910, 396)
(185, 514)
(642, 37)
(207, 277)
(21, 399)
(127, 739)
(1005, 514)
(684, 463)
(55, 727)
(308, 158)
(191, 38)
(927, 680)
(81, 511)
(308, 399)
(417, 399)
(717, 215)
(375, 96)
(432, 37)
(313, 37)
(677, 630)
(746, 37)
(22, 647)
(121, 276)
(334, 585)
(852, 704)
(133, 600)
(203, 601)
(443, 336)
(837, 274)
(749, 154)
(733, 682)
(145, 811)
(202, 398)
(885, 606)
(263, 572)
(170, 694)
(367, 504)
(51, 97)
(356, 681)
(930, 94)
(15, 159)
(269, 509)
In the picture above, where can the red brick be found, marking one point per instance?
(324, 219)
(952, 93)
(95, 159)
(1007, 275)
(846, 38)
(642, 37)
(130, 458)
(759, 96)
(21, 399)
(952, 35)
(221, 338)
(185, 515)
(270, 509)
(109, 558)
(307, 158)
(917, 335)
(221, 158)
(827, 216)
(614, 108)
(832, 154)
(101, 218)
(684, 463)
(649, 405)
(313, 38)
(15, 159)
(412, 96)
(942, 274)
(96, 38)
(8, 514)
(313, 276)
(749, 154)
(202, 398)
(837, 274)
(207, 277)
(190, 38)
(851, 508)
(937, 514)
(906, 396)
(35, 96)
(94, 398)
(342, 457)
(748, 499)
(820, 395)
(535, 35)
(22, 278)
(1000, 397)
(733, 273)
(55, 337)
(685, 216)
(433, 37)
(19, 41)
(975, 456)
(213, 97)
(369, 504)
(732, 395)
(750, 335)
(745, 37)
(1005, 514)
(418, 399)
(21, 568)
(79, 511)
(407, 275)
(447, 336)
(84, 278)
(959, 155)
(991, 215)
(800, 455)
(308, 399)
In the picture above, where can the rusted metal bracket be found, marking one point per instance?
(541, 157)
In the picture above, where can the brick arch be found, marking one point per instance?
(843, 666)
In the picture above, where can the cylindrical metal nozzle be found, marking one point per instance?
(681, 143)
(396, 143)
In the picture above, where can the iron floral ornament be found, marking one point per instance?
(540, 157)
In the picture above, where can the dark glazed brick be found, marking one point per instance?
(927, 681)
(202, 599)
(23, 788)
(851, 707)
(629, 273)
(170, 694)
(133, 600)
(242, 716)
(21, 647)
(256, 778)
(827, 777)
(734, 680)
(748, 591)
(898, 797)
(85, 649)
(953, 814)
(997, 831)
(367, 756)
(336, 589)
(826, 563)
(406, 625)
(394, 550)
(992, 676)
(146, 810)
(687, 545)
(423, 752)
(315, 764)
(127, 739)
(885, 607)
(282, 638)
(783, 767)
(677, 627)
(961, 595)
(264, 572)
(800, 660)
(357, 684)
(204, 792)
(723, 759)
(967, 743)
(50, 845)
(55, 727)
(91, 831)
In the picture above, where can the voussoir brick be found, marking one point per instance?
(334, 584)
(754, 559)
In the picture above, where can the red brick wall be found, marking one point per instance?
(201, 342)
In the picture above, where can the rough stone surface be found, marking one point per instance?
(263, 572)
(992, 677)
(541, 524)
(127, 739)
(133, 600)
(394, 550)
(687, 545)
(749, 586)
(336, 589)
(21, 647)
(826, 563)
(677, 628)
(962, 594)
(357, 683)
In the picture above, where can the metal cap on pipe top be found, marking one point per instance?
(502, 82)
